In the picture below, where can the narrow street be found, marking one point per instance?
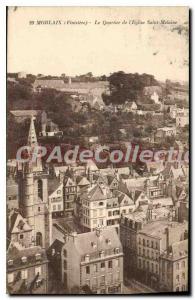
(135, 287)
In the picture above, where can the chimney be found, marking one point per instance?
(98, 231)
(74, 235)
(167, 238)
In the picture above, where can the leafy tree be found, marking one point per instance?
(127, 87)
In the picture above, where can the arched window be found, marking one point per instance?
(39, 239)
(65, 253)
(40, 189)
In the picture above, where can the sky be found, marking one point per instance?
(160, 50)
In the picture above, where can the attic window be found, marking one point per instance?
(93, 245)
(108, 241)
(10, 262)
(38, 256)
(21, 225)
(24, 259)
(116, 250)
(87, 257)
(101, 254)
(101, 203)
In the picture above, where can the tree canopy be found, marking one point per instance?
(127, 87)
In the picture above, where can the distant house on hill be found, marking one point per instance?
(40, 84)
(130, 106)
(150, 90)
(94, 89)
(22, 115)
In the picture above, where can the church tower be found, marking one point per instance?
(35, 193)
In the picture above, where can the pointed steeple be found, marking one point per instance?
(33, 165)
(32, 137)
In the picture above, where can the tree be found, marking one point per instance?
(127, 87)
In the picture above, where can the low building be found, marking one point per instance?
(19, 230)
(182, 117)
(12, 193)
(164, 132)
(27, 270)
(22, 115)
(130, 106)
(152, 241)
(174, 268)
(93, 260)
(22, 75)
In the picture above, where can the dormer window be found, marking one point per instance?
(116, 250)
(108, 241)
(87, 257)
(38, 256)
(93, 244)
(101, 203)
(21, 225)
(101, 254)
(24, 259)
(10, 262)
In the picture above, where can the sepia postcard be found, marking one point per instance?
(97, 197)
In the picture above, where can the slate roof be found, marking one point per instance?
(83, 242)
(180, 249)
(16, 255)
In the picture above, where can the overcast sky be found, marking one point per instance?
(78, 49)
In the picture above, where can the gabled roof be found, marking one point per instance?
(53, 185)
(68, 182)
(111, 178)
(91, 165)
(57, 245)
(54, 193)
(176, 173)
(81, 180)
(96, 193)
(19, 224)
(124, 198)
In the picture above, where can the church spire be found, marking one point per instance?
(35, 163)
(32, 137)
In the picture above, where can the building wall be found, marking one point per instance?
(174, 274)
(29, 273)
(12, 194)
(70, 266)
(180, 275)
(103, 275)
(24, 238)
(93, 214)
